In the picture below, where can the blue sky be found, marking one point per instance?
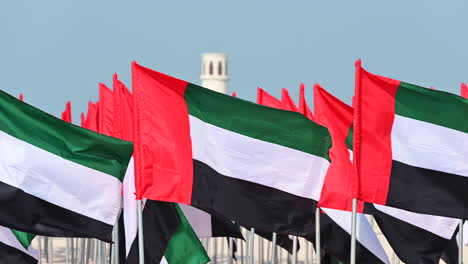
(58, 50)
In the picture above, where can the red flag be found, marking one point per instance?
(106, 110)
(303, 107)
(234, 94)
(117, 124)
(92, 117)
(286, 102)
(163, 160)
(264, 98)
(21, 97)
(464, 90)
(83, 120)
(340, 185)
(123, 111)
(66, 115)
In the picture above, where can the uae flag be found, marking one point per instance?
(335, 239)
(464, 90)
(15, 247)
(258, 166)
(67, 177)
(410, 146)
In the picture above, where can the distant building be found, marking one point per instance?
(214, 72)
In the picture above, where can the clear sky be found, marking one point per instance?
(58, 50)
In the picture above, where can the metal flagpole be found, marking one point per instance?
(83, 250)
(260, 250)
(251, 246)
(307, 252)
(115, 246)
(460, 242)
(273, 248)
(231, 250)
(353, 232)
(99, 252)
(317, 236)
(141, 251)
(67, 252)
(294, 255)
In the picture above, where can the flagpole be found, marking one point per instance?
(141, 251)
(353, 232)
(273, 248)
(460, 242)
(231, 250)
(294, 256)
(251, 246)
(317, 236)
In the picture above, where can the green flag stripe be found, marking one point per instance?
(29, 124)
(23, 237)
(432, 106)
(276, 126)
(349, 138)
(184, 245)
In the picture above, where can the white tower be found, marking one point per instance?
(214, 73)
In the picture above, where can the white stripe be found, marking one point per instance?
(429, 146)
(163, 261)
(364, 232)
(198, 219)
(129, 207)
(59, 181)
(439, 225)
(7, 237)
(250, 159)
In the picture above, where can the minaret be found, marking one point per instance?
(214, 73)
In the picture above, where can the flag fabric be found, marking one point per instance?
(335, 241)
(106, 110)
(234, 94)
(21, 97)
(168, 237)
(92, 116)
(67, 177)
(464, 91)
(409, 149)
(264, 98)
(206, 225)
(415, 238)
(66, 115)
(211, 149)
(287, 102)
(303, 107)
(83, 120)
(15, 247)
(339, 187)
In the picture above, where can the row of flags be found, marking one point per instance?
(400, 149)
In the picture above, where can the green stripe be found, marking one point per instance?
(432, 106)
(349, 138)
(23, 237)
(22, 121)
(184, 245)
(276, 126)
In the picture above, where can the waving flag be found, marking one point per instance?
(66, 115)
(464, 91)
(264, 98)
(287, 102)
(303, 107)
(206, 149)
(15, 247)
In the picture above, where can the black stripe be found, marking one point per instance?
(222, 227)
(250, 204)
(450, 254)
(25, 212)
(335, 243)
(427, 191)
(160, 221)
(411, 243)
(9, 255)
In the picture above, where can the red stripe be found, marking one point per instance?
(464, 91)
(163, 152)
(286, 102)
(106, 110)
(340, 185)
(374, 107)
(264, 98)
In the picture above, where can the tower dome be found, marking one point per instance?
(214, 74)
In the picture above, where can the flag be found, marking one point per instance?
(286, 101)
(168, 236)
(123, 111)
(66, 115)
(339, 187)
(15, 247)
(415, 238)
(264, 98)
(83, 120)
(234, 94)
(464, 91)
(303, 107)
(106, 110)
(21, 97)
(408, 146)
(206, 225)
(92, 117)
(207, 149)
(335, 239)
(66, 178)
